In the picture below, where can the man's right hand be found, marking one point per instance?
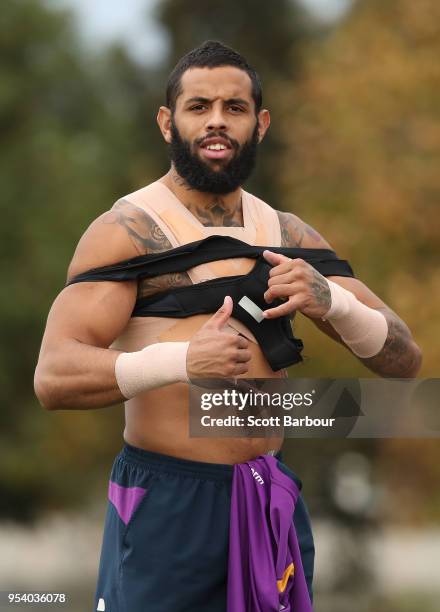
(215, 353)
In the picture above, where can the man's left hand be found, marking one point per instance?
(296, 281)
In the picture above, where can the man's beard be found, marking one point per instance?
(198, 175)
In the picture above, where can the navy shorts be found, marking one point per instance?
(165, 544)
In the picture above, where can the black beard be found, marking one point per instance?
(199, 176)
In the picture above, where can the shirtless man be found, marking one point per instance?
(166, 533)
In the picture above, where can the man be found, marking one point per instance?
(166, 536)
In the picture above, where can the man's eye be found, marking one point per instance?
(198, 107)
(236, 109)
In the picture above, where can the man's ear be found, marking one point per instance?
(164, 122)
(263, 123)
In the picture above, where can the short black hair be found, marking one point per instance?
(211, 54)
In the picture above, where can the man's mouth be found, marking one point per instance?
(216, 148)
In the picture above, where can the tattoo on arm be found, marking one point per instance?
(295, 233)
(292, 232)
(320, 289)
(400, 356)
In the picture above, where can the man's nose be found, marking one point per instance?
(216, 120)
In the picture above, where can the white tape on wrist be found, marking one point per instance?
(363, 329)
(154, 366)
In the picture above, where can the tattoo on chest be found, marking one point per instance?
(150, 286)
(217, 215)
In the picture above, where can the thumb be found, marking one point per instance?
(222, 315)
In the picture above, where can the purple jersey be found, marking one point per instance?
(265, 572)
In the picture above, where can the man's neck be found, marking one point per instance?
(209, 208)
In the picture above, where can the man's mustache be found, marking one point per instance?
(234, 143)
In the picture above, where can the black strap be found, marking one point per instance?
(274, 336)
(203, 251)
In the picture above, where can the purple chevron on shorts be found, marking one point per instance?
(125, 499)
(265, 572)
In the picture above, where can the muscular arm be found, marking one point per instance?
(75, 368)
(400, 356)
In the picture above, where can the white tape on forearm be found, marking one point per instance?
(154, 366)
(363, 329)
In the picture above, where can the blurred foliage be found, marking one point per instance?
(72, 143)
(362, 139)
(352, 149)
(362, 133)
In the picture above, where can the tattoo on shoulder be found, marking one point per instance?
(142, 230)
(296, 233)
(314, 235)
(148, 238)
(292, 232)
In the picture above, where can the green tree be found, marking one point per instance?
(72, 143)
(362, 150)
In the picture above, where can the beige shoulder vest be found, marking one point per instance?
(260, 227)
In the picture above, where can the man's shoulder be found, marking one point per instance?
(123, 231)
(297, 233)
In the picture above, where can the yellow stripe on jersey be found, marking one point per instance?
(289, 571)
